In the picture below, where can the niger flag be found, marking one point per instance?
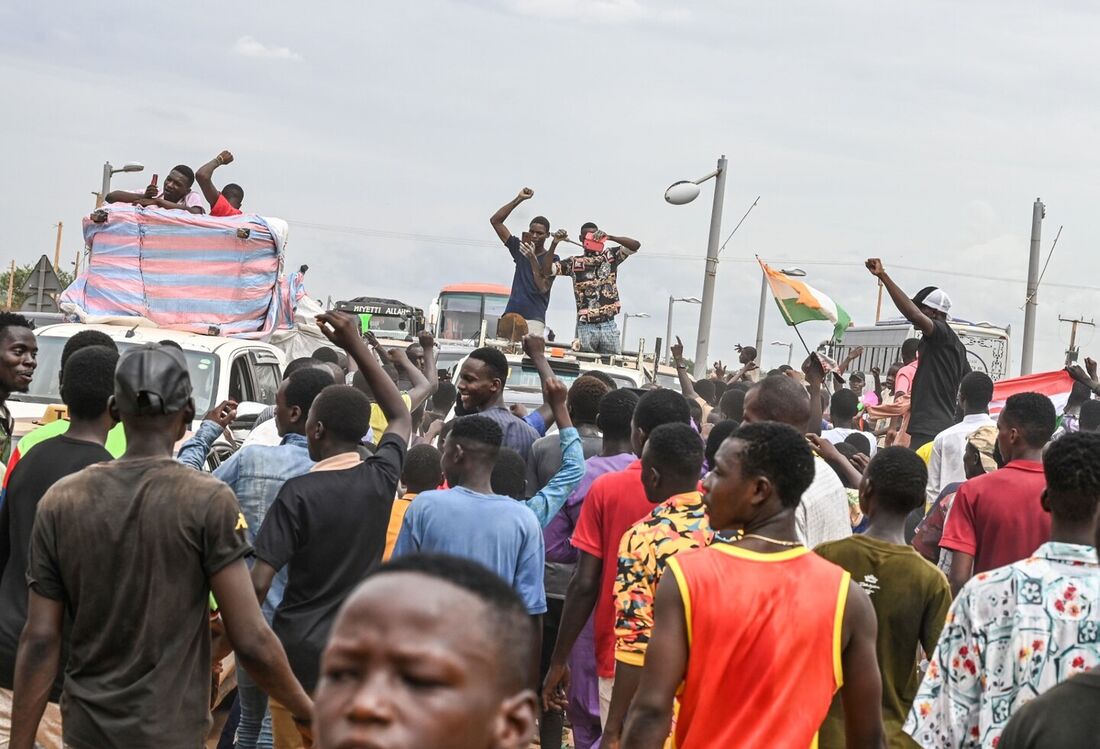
(799, 302)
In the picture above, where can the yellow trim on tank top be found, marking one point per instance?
(760, 556)
(673, 566)
(838, 627)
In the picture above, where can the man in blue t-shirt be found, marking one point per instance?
(530, 289)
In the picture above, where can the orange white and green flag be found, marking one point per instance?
(799, 302)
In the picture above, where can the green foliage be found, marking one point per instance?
(22, 273)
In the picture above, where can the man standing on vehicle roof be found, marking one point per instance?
(942, 357)
(530, 294)
(595, 286)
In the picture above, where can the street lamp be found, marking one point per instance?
(626, 319)
(668, 327)
(794, 272)
(680, 193)
(108, 171)
(790, 349)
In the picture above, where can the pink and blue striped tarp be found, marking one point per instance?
(185, 271)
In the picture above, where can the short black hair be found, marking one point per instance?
(358, 381)
(326, 354)
(751, 350)
(784, 368)
(186, 171)
(732, 404)
(779, 398)
(91, 381)
(661, 406)
(899, 479)
(586, 226)
(1090, 416)
(717, 436)
(843, 405)
(423, 469)
(584, 399)
(302, 362)
(233, 189)
(509, 477)
(603, 377)
(705, 390)
(1033, 414)
(480, 429)
(443, 399)
(540, 220)
(859, 441)
(494, 359)
(83, 339)
(13, 320)
(676, 448)
(909, 348)
(1072, 468)
(976, 390)
(506, 616)
(172, 343)
(304, 385)
(616, 411)
(779, 453)
(344, 411)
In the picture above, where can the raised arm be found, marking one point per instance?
(629, 245)
(421, 388)
(497, 219)
(815, 378)
(687, 386)
(205, 176)
(905, 305)
(535, 348)
(551, 498)
(341, 329)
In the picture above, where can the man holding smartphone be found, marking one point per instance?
(176, 195)
(530, 294)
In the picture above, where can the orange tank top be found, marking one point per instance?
(764, 632)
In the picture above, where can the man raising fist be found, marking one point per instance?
(227, 201)
(530, 297)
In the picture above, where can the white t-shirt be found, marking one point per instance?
(839, 434)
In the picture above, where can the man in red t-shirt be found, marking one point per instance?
(614, 503)
(998, 518)
(224, 202)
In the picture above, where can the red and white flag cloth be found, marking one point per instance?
(1055, 385)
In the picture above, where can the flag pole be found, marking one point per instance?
(801, 339)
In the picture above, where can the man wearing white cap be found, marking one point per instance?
(942, 357)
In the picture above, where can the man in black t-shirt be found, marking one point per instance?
(90, 382)
(943, 361)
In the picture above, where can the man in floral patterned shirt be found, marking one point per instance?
(1016, 631)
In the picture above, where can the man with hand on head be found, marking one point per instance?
(530, 293)
(224, 202)
(176, 195)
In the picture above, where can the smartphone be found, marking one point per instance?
(154, 182)
(592, 244)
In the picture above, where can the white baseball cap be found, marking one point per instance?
(934, 298)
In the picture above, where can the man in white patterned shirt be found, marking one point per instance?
(822, 515)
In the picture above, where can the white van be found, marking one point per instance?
(986, 346)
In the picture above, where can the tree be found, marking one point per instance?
(22, 273)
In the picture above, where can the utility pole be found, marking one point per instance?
(57, 250)
(878, 304)
(1073, 351)
(11, 284)
(702, 343)
(1031, 302)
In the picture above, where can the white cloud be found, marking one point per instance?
(247, 46)
(595, 11)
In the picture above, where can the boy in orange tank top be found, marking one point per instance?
(756, 632)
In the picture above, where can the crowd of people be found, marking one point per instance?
(757, 559)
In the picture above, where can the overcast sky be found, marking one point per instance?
(919, 133)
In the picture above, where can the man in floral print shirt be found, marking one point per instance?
(1016, 631)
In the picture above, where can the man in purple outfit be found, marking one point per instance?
(616, 410)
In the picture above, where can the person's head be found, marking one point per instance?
(1078, 394)
(539, 229)
(909, 348)
(509, 478)
(718, 434)
(18, 353)
(338, 420)
(336, 372)
(860, 441)
(857, 381)
(695, 410)
(843, 407)
(760, 471)
(705, 390)
(778, 398)
(178, 183)
(233, 194)
(1089, 420)
(732, 404)
(302, 362)
(152, 395)
(975, 393)
(295, 397)
(894, 483)
(616, 411)
(471, 448)
(979, 454)
(91, 382)
(1072, 468)
(171, 344)
(655, 408)
(603, 377)
(748, 354)
(583, 399)
(933, 302)
(81, 340)
(586, 228)
(423, 469)
(481, 378)
(1026, 424)
(847, 451)
(443, 399)
(415, 352)
(326, 354)
(671, 461)
(398, 673)
(892, 376)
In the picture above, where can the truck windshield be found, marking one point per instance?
(46, 387)
(461, 315)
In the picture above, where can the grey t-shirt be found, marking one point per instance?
(130, 547)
